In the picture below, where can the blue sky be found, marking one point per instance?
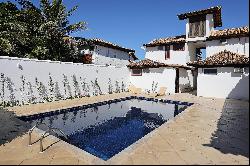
(131, 23)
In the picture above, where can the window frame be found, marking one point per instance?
(132, 72)
(238, 70)
(160, 48)
(210, 73)
(179, 47)
(197, 23)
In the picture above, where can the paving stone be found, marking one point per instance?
(190, 138)
(170, 158)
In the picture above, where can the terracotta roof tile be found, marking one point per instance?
(223, 58)
(148, 63)
(229, 33)
(84, 41)
(168, 40)
(216, 11)
(109, 44)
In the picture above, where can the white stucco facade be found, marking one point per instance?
(176, 57)
(226, 84)
(236, 45)
(162, 77)
(109, 56)
(208, 28)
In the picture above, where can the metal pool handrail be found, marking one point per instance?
(31, 130)
(47, 131)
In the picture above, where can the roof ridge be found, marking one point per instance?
(213, 7)
(246, 26)
(168, 37)
(106, 43)
(166, 40)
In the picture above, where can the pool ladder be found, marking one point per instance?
(53, 129)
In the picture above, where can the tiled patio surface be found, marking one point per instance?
(212, 131)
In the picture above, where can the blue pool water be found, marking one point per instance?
(106, 128)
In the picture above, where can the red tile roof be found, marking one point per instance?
(216, 11)
(147, 63)
(109, 44)
(229, 33)
(223, 58)
(84, 41)
(165, 41)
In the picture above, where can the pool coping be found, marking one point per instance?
(92, 105)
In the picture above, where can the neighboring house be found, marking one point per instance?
(100, 52)
(201, 41)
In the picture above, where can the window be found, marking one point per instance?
(238, 70)
(201, 53)
(136, 72)
(179, 47)
(146, 70)
(167, 52)
(160, 47)
(197, 26)
(210, 71)
(223, 41)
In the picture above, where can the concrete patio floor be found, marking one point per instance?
(212, 131)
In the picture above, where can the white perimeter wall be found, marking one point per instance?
(109, 56)
(163, 77)
(176, 57)
(41, 70)
(236, 45)
(226, 84)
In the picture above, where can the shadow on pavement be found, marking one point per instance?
(10, 126)
(232, 134)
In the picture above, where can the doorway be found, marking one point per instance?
(201, 53)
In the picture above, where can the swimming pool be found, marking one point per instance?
(106, 128)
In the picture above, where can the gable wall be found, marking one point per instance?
(104, 55)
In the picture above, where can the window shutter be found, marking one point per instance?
(197, 28)
(202, 28)
(167, 51)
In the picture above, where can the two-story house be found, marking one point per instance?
(100, 52)
(223, 70)
(212, 61)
